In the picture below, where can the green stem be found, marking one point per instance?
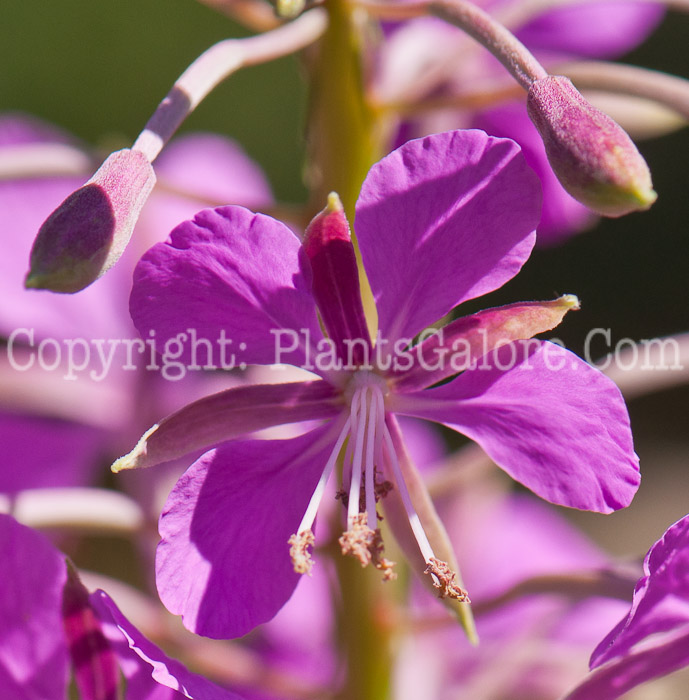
(344, 131)
(365, 626)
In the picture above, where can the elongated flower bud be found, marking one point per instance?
(328, 246)
(88, 232)
(592, 156)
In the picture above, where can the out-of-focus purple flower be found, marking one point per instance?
(50, 624)
(441, 220)
(534, 644)
(652, 640)
(427, 58)
(59, 424)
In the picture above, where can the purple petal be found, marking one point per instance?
(228, 274)
(443, 219)
(300, 637)
(601, 29)
(196, 171)
(33, 649)
(658, 657)
(551, 421)
(505, 539)
(223, 562)
(43, 452)
(17, 129)
(562, 215)
(661, 598)
(150, 674)
(230, 414)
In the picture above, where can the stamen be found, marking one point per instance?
(412, 515)
(300, 542)
(370, 465)
(357, 540)
(355, 485)
(299, 551)
(366, 545)
(445, 580)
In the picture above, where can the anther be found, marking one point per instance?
(445, 580)
(299, 551)
(366, 545)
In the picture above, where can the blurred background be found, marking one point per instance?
(99, 69)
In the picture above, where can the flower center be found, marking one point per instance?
(364, 433)
(369, 447)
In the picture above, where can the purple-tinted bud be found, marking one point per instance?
(328, 246)
(592, 156)
(96, 672)
(86, 235)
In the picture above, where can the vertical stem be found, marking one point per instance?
(343, 131)
(342, 144)
(365, 631)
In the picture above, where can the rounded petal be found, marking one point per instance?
(443, 219)
(562, 215)
(552, 422)
(600, 29)
(196, 171)
(223, 562)
(232, 277)
(33, 647)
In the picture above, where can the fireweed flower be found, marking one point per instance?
(440, 220)
(51, 624)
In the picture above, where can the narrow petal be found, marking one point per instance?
(229, 280)
(562, 216)
(230, 414)
(196, 171)
(661, 598)
(33, 648)
(443, 219)
(432, 525)
(328, 245)
(223, 562)
(149, 671)
(462, 342)
(552, 422)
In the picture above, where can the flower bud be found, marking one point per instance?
(86, 235)
(592, 156)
